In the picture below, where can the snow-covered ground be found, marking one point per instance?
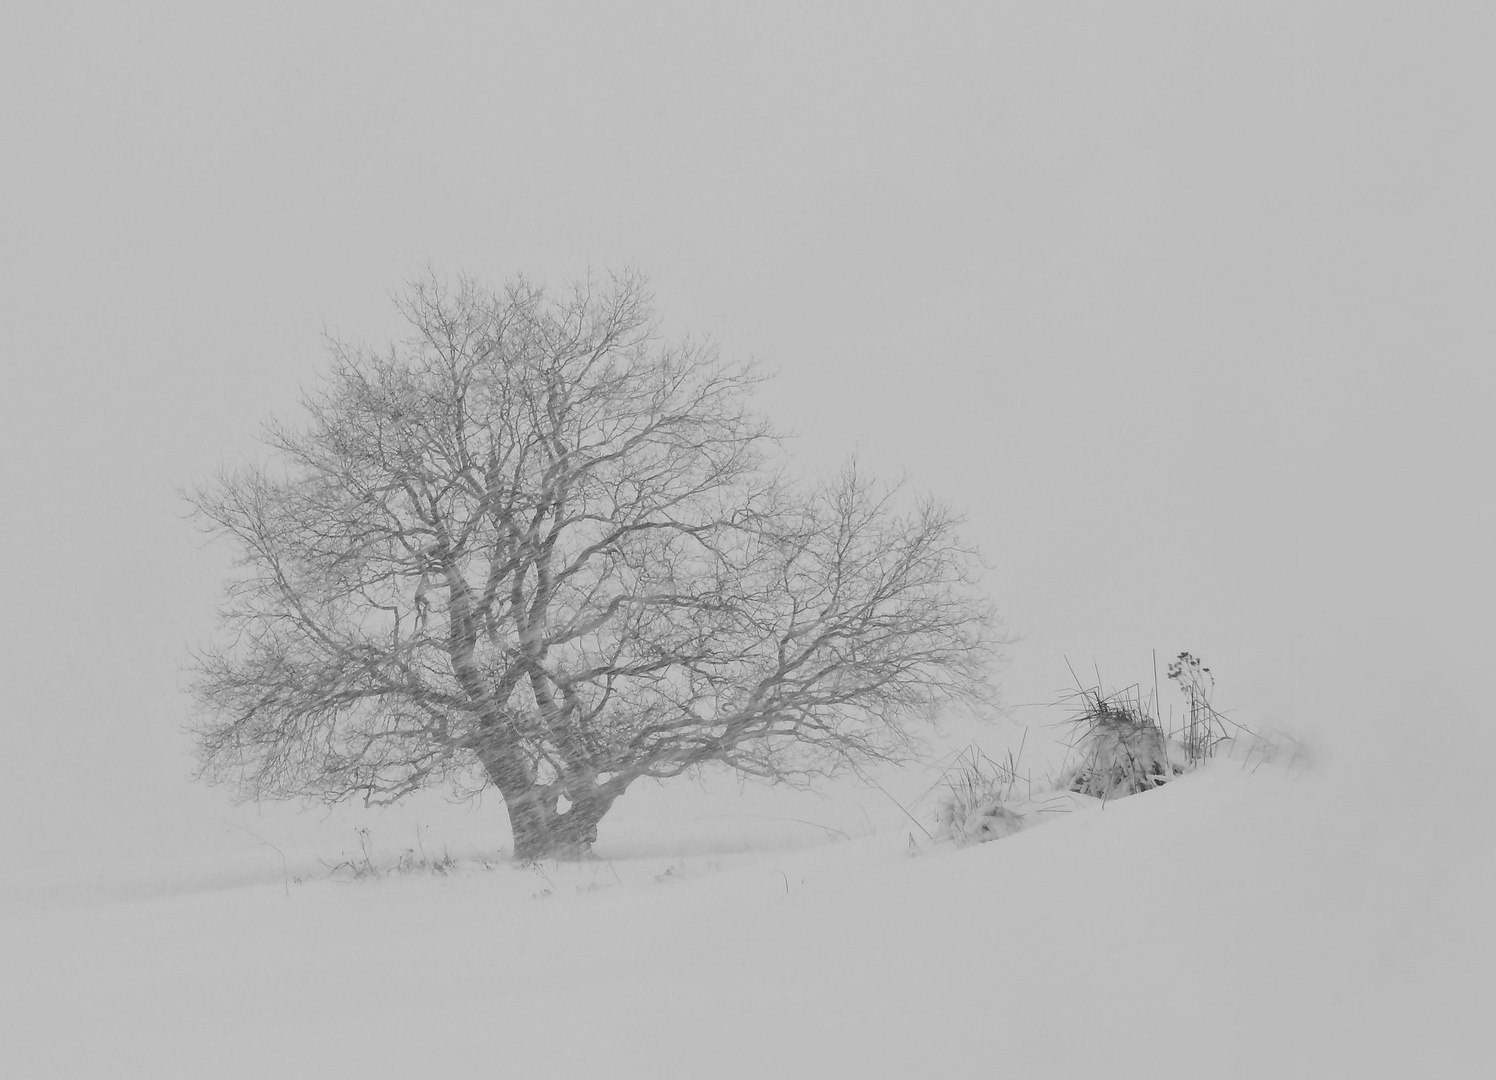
(1238, 922)
(1187, 306)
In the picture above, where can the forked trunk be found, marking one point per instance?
(541, 829)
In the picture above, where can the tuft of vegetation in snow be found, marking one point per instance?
(1123, 747)
(363, 864)
(976, 807)
(1120, 747)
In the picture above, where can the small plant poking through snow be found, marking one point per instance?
(974, 809)
(1123, 748)
(358, 866)
(1205, 728)
(413, 860)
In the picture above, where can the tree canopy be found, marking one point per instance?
(536, 547)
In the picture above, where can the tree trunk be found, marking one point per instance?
(541, 830)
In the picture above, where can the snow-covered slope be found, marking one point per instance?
(1233, 923)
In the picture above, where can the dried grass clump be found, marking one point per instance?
(1121, 745)
(974, 810)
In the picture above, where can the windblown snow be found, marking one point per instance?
(1236, 922)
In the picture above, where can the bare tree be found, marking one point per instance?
(535, 548)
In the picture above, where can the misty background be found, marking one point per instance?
(1189, 307)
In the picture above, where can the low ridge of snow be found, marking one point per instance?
(1231, 923)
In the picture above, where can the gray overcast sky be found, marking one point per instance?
(1188, 305)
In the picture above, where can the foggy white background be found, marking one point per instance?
(1188, 306)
